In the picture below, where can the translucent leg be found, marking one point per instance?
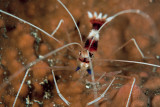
(101, 76)
(93, 80)
(109, 74)
(21, 87)
(58, 92)
(103, 94)
(129, 97)
(135, 43)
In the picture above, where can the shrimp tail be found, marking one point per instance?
(97, 20)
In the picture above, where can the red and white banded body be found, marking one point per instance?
(91, 43)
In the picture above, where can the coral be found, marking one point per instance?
(21, 44)
(152, 83)
(155, 101)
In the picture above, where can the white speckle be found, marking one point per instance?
(105, 16)
(100, 16)
(95, 14)
(90, 14)
(29, 82)
(87, 86)
(41, 57)
(94, 33)
(46, 95)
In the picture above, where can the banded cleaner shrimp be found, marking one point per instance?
(43, 65)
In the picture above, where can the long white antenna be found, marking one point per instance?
(127, 61)
(35, 25)
(72, 19)
(132, 11)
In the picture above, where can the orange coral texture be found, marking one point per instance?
(20, 48)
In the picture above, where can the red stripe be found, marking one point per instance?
(91, 47)
(97, 23)
(82, 60)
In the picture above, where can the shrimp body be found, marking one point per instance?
(91, 43)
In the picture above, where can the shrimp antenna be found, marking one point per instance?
(131, 11)
(50, 35)
(72, 19)
(61, 21)
(127, 61)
